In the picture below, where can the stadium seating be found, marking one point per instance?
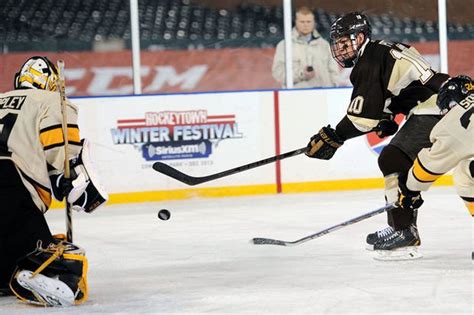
(176, 24)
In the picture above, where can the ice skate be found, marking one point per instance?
(399, 245)
(373, 238)
(49, 291)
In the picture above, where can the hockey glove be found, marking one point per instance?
(386, 127)
(408, 199)
(87, 193)
(324, 144)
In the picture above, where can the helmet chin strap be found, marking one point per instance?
(362, 47)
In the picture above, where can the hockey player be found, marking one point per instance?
(35, 266)
(388, 79)
(453, 147)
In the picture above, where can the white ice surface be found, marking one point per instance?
(201, 261)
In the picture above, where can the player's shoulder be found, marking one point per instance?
(381, 46)
(374, 56)
(459, 111)
(453, 124)
(47, 98)
(38, 99)
(386, 46)
(10, 93)
(375, 51)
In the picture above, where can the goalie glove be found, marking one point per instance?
(83, 189)
(408, 199)
(87, 193)
(324, 144)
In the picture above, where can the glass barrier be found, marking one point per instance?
(409, 22)
(460, 20)
(208, 45)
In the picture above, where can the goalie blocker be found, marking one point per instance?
(83, 190)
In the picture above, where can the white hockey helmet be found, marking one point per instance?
(37, 73)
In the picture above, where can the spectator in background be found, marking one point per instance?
(313, 65)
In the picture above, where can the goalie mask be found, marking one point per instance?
(344, 46)
(455, 91)
(37, 73)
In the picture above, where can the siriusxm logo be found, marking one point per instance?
(177, 150)
(171, 135)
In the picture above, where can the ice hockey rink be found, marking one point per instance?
(201, 260)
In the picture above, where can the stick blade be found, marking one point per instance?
(174, 173)
(268, 241)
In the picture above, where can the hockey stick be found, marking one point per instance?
(191, 180)
(269, 241)
(67, 172)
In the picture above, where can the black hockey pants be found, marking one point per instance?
(22, 224)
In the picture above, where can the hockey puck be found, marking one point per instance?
(164, 214)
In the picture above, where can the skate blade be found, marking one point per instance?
(369, 247)
(405, 253)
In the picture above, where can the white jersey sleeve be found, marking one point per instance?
(453, 142)
(31, 136)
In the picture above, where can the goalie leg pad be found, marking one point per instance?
(52, 276)
(87, 194)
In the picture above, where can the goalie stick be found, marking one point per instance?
(191, 180)
(270, 241)
(67, 172)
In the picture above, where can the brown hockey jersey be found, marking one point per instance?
(391, 78)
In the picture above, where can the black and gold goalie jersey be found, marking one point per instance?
(388, 79)
(31, 136)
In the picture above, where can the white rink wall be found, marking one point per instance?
(216, 132)
(247, 131)
(302, 114)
